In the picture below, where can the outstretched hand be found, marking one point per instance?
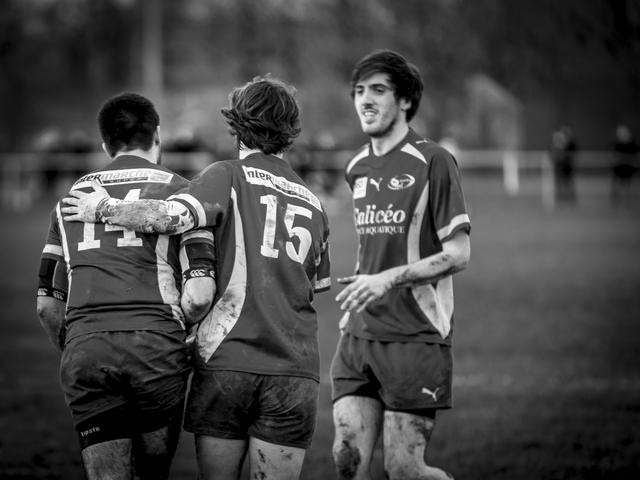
(83, 207)
(361, 290)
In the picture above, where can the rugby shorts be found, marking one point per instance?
(403, 376)
(278, 409)
(117, 384)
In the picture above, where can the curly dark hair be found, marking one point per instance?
(263, 114)
(404, 76)
(127, 121)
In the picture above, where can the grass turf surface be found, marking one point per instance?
(547, 346)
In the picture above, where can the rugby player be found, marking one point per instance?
(255, 386)
(392, 368)
(124, 363)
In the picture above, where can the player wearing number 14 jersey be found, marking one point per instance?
(124, 363)
(255, 385)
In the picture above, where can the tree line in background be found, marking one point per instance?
(572, 62)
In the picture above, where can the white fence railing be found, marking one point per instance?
(24, 176)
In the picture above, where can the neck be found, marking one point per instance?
(383, 144)
(149, 155)
(244, 152)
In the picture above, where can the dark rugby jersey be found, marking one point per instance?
(406, 204)
(120, 279)
(272, 237)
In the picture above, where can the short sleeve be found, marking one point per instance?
(446, 196)
(208, 195)
(323, 269)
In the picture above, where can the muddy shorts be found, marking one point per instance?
(235, 405)
(403, 376)
(117, 384)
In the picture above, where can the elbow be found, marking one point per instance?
(49, 310)
(463, 259)
(195, 310)
(195, 305)
(41, 311)
(460, 253)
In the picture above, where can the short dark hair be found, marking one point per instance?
(264, 114)
(404, 76)
(127, 121)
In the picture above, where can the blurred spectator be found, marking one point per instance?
(450, 144)
(624, 165)
(563, 150)
(78, 141)
(185, 140)
(49, 143)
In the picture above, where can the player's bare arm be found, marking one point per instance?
(51, 313)
(145, 216)
(197, 298)
(361, 290)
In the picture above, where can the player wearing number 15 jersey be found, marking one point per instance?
(255, 384)
(124, 362)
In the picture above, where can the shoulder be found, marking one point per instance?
(426, 150)
(362, 153)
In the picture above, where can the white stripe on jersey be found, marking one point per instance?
(456, 221)
(362, 154)
(225, 313)
(53, 250)
(206, 234)
(166, 282)
(201, 221)
(436, 303)
(65, 244)
(413, 151)
(322, 284)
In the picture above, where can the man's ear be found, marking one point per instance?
(156, 136)
(405, 104)
(104, 148)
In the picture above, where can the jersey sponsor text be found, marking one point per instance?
(131, 175)
(258, 176)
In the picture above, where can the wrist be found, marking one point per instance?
(100, 210)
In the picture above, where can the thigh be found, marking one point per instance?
(111, 459)
(405, 440)
(413, 376)
(351, 373)
(220, 404)
(90, 376)
(219, 458)
(285, 412)
(270, 461)
(158, 371)
(406, 434)
(130, 380)
(357, 421)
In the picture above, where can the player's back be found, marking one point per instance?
(120, 279)
(272, 233)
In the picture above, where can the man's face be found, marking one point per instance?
(377, 106)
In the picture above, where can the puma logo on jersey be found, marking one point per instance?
(376, 183)
(433, 394)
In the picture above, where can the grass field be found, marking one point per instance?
(547, 346)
